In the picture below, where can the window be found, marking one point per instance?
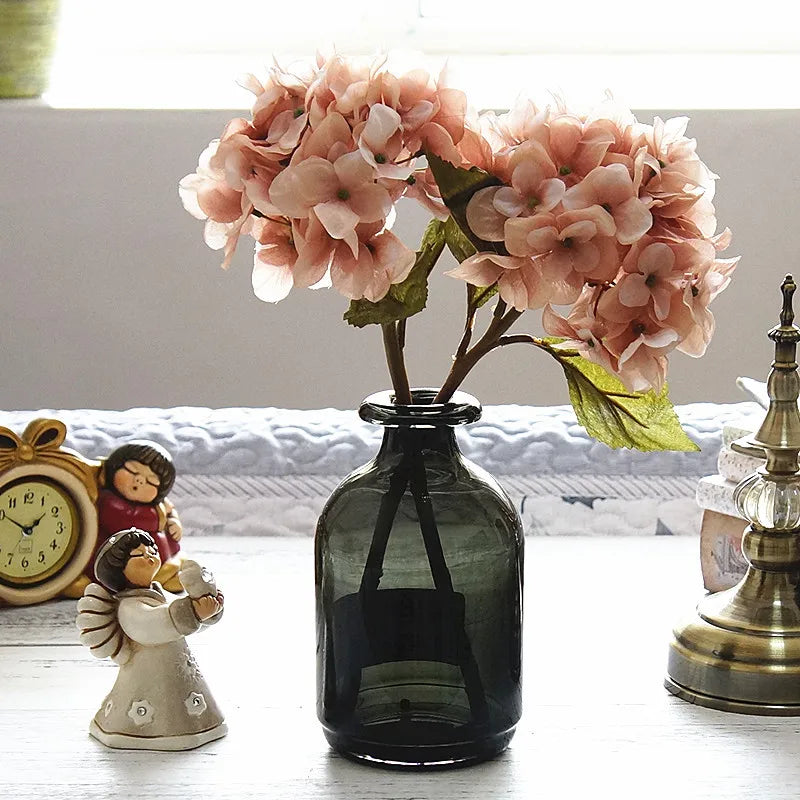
(188, 53)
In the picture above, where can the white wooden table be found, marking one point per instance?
(596, 720)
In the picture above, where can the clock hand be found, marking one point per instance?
(35, 523)
(19, 525)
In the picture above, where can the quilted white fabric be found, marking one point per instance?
(268, 471)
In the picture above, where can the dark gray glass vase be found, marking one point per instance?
(419, 597)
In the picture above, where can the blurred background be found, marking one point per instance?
(110, 299)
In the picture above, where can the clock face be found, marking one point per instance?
(38, 530)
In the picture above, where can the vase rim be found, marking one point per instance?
(379, 409)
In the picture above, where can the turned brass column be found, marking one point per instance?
(740, 651)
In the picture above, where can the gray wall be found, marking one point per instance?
(110, 299)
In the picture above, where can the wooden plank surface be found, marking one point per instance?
(596, 719)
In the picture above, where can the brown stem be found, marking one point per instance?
(411, 157)
(469, 326)
(462, 365)
(401, 335)
(396, 364)
(524, 338)
(519, 338)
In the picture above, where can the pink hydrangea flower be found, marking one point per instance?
(422, 187)
(642, 347)
(692, 317)
(275, 257)
(206, 194)
(342, 194)
(577, 149)
(576, 246)
(650, 277)
(519, 280)
(612, 189)
(582, 332)
(594, 211)
(534, 189)
(380, 142)
(279, 115)
(380, 261)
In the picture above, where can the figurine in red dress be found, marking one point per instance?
(136, 480)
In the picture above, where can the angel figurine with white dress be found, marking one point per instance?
(160, 700)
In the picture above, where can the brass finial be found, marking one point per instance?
(788, 288)
(787, 331)
(779, 435)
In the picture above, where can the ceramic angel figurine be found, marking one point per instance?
(160, 701)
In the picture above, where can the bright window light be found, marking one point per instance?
(188, 53)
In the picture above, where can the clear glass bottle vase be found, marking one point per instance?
(418, 558)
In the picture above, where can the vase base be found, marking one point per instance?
(384, 745)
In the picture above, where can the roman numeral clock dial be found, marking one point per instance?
(48, 516)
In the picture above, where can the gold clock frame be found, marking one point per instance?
(39, 453)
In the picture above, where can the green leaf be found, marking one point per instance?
(409, 297)
(479, 295)
(457, 185)
(457, 243)
(616, 416)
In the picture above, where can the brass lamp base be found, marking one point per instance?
(741, 651)
(719, 704)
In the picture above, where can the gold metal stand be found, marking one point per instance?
(740, 651)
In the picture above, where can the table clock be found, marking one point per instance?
(48, 513)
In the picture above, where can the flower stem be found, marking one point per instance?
(469, 326)
(396, 363)
(464, 362)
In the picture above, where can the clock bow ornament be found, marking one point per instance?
(48, 517)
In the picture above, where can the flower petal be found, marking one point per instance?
(351, 276)
(370, 202)
(271, 282)
(656, 258)
(556, 325)
(312, 262)
(337, 218)
(662, 338)
(530, 236)
(581, 231)
(508, 201)
(478, 270)
(353, 170)
(395, 258)
(550, 194)
(484, 220)
(381, 125)
(633, 291)
(302, 186)
(633, 220)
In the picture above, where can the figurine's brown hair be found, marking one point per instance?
(150, 454)
(113, 557)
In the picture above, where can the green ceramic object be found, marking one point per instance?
(27, 38)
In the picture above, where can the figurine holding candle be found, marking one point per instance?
(160, 700)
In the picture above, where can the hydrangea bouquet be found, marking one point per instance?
(607, 219)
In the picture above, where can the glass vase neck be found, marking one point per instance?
(380, 409)
(421, 425)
